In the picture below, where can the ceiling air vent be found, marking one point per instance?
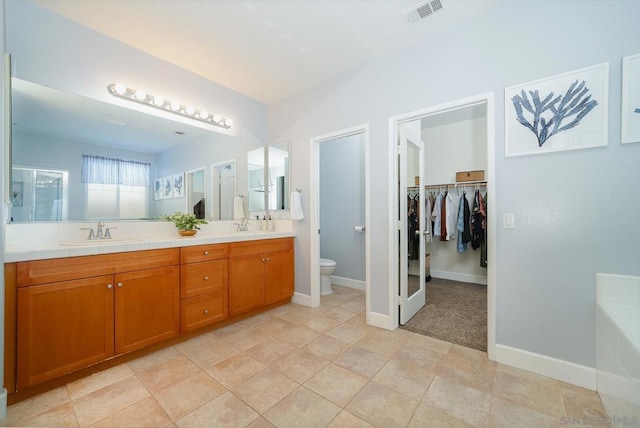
(422, 10)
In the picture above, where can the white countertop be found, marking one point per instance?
(50, 250)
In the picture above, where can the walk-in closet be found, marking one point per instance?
(455, 209)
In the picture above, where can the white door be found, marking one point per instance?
(411, 219)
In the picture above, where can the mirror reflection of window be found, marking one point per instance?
(224, 189)
(196, 202)
(279, 176)
(38, 194)
(257, 187)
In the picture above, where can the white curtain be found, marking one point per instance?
(102, 170)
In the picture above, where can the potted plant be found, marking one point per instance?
(187, 224)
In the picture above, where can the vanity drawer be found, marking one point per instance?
(201, 278)
(203, 253)
(204, 310)
(260, 246)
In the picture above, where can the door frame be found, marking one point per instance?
(314, 215)
(394, 122)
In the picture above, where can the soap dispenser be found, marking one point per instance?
(264, 223)
(270, 224)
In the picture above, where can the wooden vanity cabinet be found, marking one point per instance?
(109, 308)
(260, 273)
(204, 285)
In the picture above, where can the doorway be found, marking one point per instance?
(397, 289)
(351, 231)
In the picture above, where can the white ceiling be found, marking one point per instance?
(266, 49)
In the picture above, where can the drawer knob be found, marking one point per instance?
(119, 285)
(206, 253)
(267, 259)
(206, 278)
(206, 311)
(109, 286)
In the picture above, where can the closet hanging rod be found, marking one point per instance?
(454, 185)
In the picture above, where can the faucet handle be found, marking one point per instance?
(92, 235)
(107, 234)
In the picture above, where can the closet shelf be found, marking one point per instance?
(453, 185)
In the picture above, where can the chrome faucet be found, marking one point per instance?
(243, 226)
(99, 230)
(98, 233)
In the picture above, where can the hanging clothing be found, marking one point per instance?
(451, 218)
(460, 226)
(466, 234)
(436, 215)
(413, 225)
(428, 224)
(483, 244)
(443, 218)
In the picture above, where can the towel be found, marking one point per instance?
(296, 206)
(238, 208)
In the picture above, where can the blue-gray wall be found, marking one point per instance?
(342, 200)
(575, 211)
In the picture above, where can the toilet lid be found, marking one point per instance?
(327, 263)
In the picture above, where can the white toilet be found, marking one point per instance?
(327, 267)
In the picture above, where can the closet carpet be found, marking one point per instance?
(455, 312)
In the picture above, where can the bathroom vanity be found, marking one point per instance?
(68, 313)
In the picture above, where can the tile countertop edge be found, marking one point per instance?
(27, 252)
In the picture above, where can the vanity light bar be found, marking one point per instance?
(121, 91)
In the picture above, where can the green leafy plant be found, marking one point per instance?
(184, 221)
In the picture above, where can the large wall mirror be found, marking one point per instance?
(60, 132)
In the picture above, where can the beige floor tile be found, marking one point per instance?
(302, 408)
(207, 351)
(106, 401)
(541, 397)
(474, 373)
(383, 343)
(256, 320)
(583, 403)
(260, 423)
(359, 320)
(320, 324)
(382, 407)
(407, 379)
(348, 333)
(158, 357)
(336, 384)
(274, 327)
(228, 330)
(339, 314)
(505, 414)
(298, 336)
(295, 317)
(264, 389)
(353, 306)
(429, 416)
(61, 416)
(334, 299)
(299, 365)
(361, 361)
(182, 397)
(411, 353)
(465, 403)
(347, 420)
(528, 375)
(168, 373)
(327, 347)
(35, 405)
(281, 309)
(144, 413)
(311, 311)
(430, 343)
(235, 370)
(98, 380)
(246, 338)
(225, 411)
(271, 350)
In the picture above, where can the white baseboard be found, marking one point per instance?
(462, 277)
(301, 299)
(348, 282)
(378, 320)
(565, 371)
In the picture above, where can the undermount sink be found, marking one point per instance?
(100, 241)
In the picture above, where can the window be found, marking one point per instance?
(116, 188)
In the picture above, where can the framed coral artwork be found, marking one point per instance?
(178, 185)
(567, 111)
(631, 99)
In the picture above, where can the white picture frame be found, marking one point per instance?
(178, 184)
(157, 189)
(534, 123)
(167, 187)
(630, 111)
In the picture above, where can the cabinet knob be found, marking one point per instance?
(206, 278)
(267, 259)
(206, 311)
(206, 253)
(119, 285)
(109, 286)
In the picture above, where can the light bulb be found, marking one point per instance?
(175, 106)
(216, 118)
(190, 110)
(228, 122)
(158, 101)
(120, 89)
(203, 114)
(140, 95)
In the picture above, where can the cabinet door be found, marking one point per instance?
(147, 307)
(245, 283)
(278, 276)
(63, 327)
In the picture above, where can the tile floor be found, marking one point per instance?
(300, 367)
